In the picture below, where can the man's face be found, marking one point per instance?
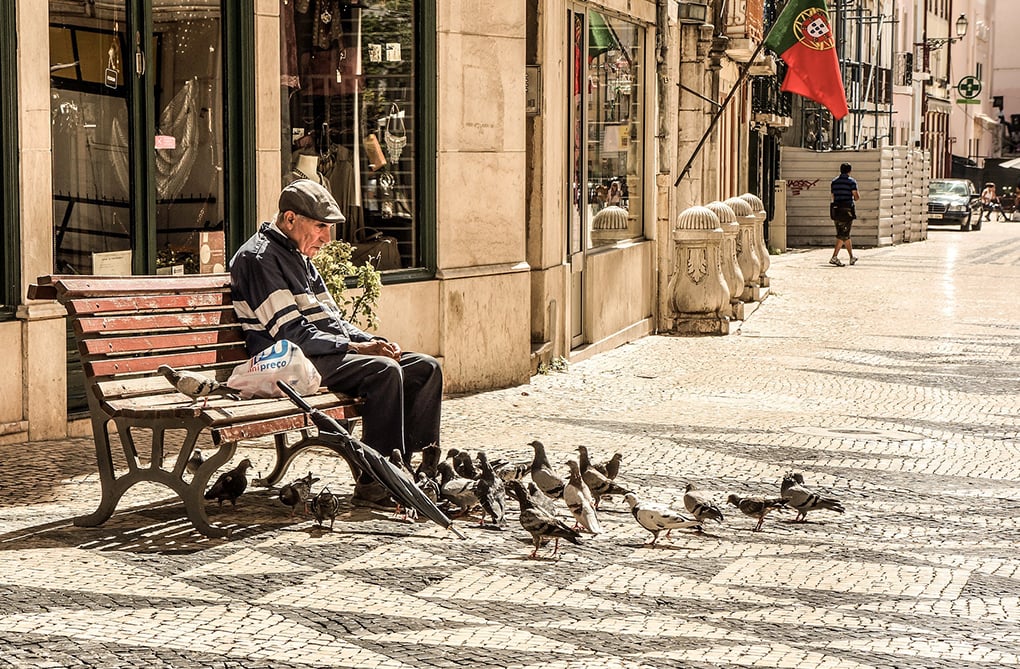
(309, 234)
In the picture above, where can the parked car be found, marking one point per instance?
(953, 202)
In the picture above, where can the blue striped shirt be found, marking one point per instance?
(843, 188)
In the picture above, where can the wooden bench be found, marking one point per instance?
(125, 328)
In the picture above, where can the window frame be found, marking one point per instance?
(10, 216)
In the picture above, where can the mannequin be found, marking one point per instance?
(307, 167)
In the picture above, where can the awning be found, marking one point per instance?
(939, 105)
(987, 121)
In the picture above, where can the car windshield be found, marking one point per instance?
(948, 188)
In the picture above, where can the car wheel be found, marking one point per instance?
(977, 226)
(965, 226)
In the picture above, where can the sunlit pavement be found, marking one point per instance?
(892, 385)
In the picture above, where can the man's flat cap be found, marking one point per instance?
(311, 200)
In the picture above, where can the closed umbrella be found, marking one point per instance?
(365, 458)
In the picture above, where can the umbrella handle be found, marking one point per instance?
(294, 396)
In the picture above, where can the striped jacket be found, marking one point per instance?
(278, 294)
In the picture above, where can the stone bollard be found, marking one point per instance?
(747, 251)
(730, 265)
(758, 209)
(698, 294)
(609, 225)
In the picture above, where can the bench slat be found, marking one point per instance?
(139, 365)
(144, 303)
(112, 345)
(259, 428)
(218, 411)
(150, 322)
(71, 286)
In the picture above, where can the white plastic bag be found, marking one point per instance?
(283, 361)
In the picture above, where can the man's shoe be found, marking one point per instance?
(853, 261)
(835, 261)
(372, 496)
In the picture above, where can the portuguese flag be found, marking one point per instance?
(803, 38)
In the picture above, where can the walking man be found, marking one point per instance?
(843, 212)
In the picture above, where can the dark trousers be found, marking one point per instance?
(403, 399)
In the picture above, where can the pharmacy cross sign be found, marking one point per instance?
(969, 87)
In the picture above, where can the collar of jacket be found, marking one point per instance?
(274, 234)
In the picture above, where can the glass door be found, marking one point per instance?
(577, 169)
(136, 95)
(137, 135)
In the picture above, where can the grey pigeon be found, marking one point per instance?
(757, 507)
(804, 499)
(429, 486)
(599, 484)
(429, 464)
(457, 489)
(658, 517)
(195, 461)
(700, 506)
(538, 522)
(324, 505)
(542, 473)
(195, 385)
(509, 470)
(610, 468)
(491, 492)
(540, 499)
(464, 467)
(580, 501)
(297, 492)
(231, 484)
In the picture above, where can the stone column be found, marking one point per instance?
(730, 265)
(698, 295)
(747, 251)
(758, 209)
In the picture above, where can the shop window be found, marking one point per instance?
(615, 117)
(350, 118)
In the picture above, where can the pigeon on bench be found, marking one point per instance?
(196, 386)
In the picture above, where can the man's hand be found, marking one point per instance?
(387, 349)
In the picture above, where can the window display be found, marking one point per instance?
(348, 86)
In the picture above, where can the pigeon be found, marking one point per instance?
(542, 473)
(196, 385)
(296, 492)
(491, 492)
(804, 499)
(195, 461)
(324, 505)
(456, 489)
(538, 522)
(540, 499)
(658, 517)
(510, 471)
(429, 486)
(756, 507)
(610, 468)
(429, 461)
(599, 484)
(464, 467)
(231, 484)
(700, 506)
(580, 501)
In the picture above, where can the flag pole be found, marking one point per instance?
(745, 67)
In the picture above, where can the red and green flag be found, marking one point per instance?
(803, 38)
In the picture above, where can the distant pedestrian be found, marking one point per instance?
(989, 202)
(843, 212)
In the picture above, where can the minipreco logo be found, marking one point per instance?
(272, 358)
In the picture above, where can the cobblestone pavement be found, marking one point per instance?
(891, 384)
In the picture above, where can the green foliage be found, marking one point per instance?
(557, 364)
(334, 264)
